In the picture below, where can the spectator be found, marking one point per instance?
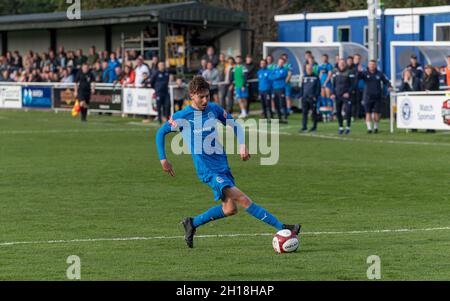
(160, 82)
(180, 94)
(67, 78)
(270, 63)
(342, 85)
(415, 67)
(325, 73)
(239, 78)
(129, 77)
(97, 72)
(118, 75)
(227, 98)
(252, 75)
(211, 75)
(288, 88)
(373, 93)
(431, 79)
(310, 92)
(79, 59)
(6, 76)
(140, 70)
(17, 61)
(112, 65)
(264, 88)
(278, 78)
(93, 56)
(62, 57)
(359, 87)
(410, 82)
(354, 77)
(203, 66)
(210, 56)
(105, 72)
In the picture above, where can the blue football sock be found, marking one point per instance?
(212, 214)
(262, 214)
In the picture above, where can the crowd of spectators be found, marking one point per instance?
(62, 66)
(231, 78)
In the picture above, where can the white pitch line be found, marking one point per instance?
(47, 242)
(374, 140)
(26, 132)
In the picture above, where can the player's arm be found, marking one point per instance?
(387, 83)
(160, 145)
(228, 120)
(76, 81)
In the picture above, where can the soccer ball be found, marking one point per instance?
(285, 241)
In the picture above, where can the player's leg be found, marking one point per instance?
(315, 114)
(84, 110)
(240, 198)
(369, 116)
(305, 111)
(348, 115)
(339, 105)
(330, 102)
(377, 115)
(277, 101)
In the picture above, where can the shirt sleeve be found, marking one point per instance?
(168, 127)
(228, 120)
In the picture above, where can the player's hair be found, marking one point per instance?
(198, 85)
(373, 61)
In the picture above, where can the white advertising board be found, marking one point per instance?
(407, 24)
(423, 112)
(139, 101)
(11, 97)
(322, 34)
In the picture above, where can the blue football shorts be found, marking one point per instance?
(241, 94)
(218, 182)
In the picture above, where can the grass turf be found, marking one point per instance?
(62, 180)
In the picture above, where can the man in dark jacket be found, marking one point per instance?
(373, 93)
(160, 82)
(310, 92)
(342, 85)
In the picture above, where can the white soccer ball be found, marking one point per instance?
(285, 241)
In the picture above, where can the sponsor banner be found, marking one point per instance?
(63, 98)
(139, 101)
(423, 112)
(37, 97)
(104, 100)
(11, 97)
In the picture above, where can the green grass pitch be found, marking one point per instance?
(65, 185)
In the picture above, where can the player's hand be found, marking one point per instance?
(333, 97)
(360, 68)
(346, 95)
(245, 155)
(390, 89)
(167, 167)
